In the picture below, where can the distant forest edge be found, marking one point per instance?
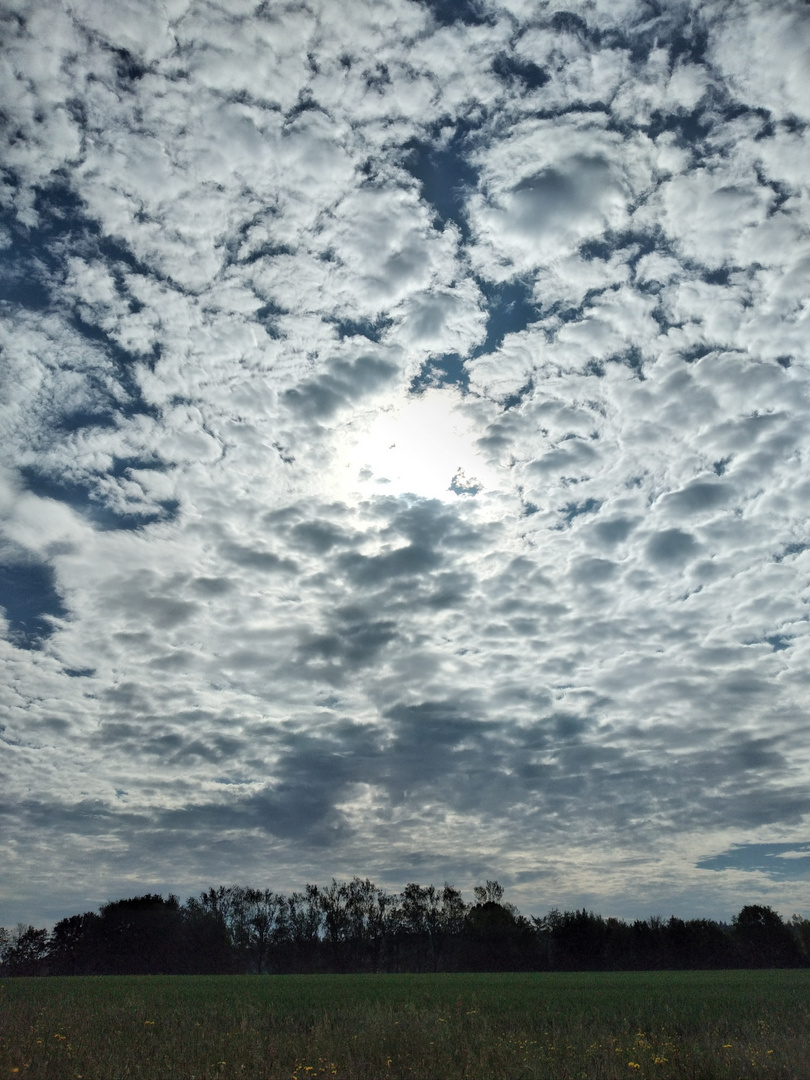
(354, 926)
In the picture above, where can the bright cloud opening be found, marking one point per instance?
(424, 446)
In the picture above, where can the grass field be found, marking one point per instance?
(700, 1025)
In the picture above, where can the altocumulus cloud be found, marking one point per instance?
(404, 418)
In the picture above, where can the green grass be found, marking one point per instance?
(730, 1025)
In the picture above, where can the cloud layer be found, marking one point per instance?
(404, 418)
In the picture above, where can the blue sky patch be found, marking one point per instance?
(776, 860)
(28, 595)
(445, 175)
(81, 498)
(511, 308)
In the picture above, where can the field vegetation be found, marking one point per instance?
(700, 1025)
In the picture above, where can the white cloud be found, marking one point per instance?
(707, 214)
(223, 272)
(743, 47)
(546, 189)
(450, 321)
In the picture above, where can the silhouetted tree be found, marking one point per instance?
(356, 926)
(431, 922)
(420, 918)
(140, 936)
(370, 912)
(74, 947)
(697, 943)
(258, 924)
(800, 928)
(23, 951)
(207, 947)
(453, 916)
(490, 893)
(763, 940)
(498, 937)
(578, 940)
(333, 900)
(304, 922)
(357, 919)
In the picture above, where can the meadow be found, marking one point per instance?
(700, 1025)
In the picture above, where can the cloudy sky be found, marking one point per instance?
(405, 427)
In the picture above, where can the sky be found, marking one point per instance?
(404, 440)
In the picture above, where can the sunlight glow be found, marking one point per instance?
(425, 446)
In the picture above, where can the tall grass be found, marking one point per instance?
(697, 1025)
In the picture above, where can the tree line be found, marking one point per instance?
(355, 926)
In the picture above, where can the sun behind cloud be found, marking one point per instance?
(424, 445)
